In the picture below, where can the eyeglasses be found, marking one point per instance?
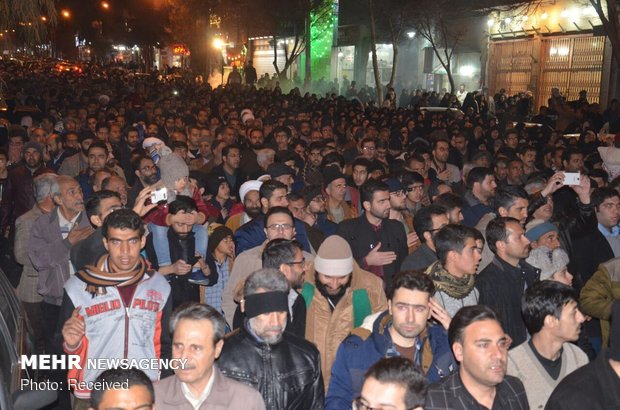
(280, 227)
(302, 262)
(415, 188)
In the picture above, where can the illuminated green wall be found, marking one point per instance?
(323, 22)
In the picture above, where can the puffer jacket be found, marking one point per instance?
(287, 374)
(327, 329)
(360, 350)
(599, 294)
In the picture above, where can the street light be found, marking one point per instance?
(105, 5)
(219, 44)
(65, 13)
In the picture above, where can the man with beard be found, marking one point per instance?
(312, 170)
(335, 189)
(181, 255)
(398, 212)
(78, 162)
(287, 256)
(261, 354)
(427, 222)
(146, 173)
(316, 215)
(249, 208)
(56, 149)
(18, 195)
(480, 345)
(501, 284)
(198, 337)
(255, 140)
(338, 295)
(204, 160)
(403, 330)
(97, 155)
(481, 187)
(445, 171)
(379, 244)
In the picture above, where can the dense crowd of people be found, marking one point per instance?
(311, 251)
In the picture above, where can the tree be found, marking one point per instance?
(436, 21)
(388, 16)
(29, 18)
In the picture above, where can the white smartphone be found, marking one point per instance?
(572, 178)
(159, 195)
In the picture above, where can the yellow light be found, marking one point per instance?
(218, 43)
(43, 18)
(105, 5)
(65, 13)
(544, 16)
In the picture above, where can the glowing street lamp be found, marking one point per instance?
(218, 43)
(65, 13)
(105, 5)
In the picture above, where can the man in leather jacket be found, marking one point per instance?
(284, 368)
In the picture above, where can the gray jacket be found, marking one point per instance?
(49, 254)
(226, 394)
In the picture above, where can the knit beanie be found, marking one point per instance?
(172, 168)
(334, 257)
(330, 174)
(218, 235)
(248, 186)
(549, 262)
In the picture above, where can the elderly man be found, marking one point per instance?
(52, 237)
(198, 337)
(262, 354)
(27, 288)
(338, 295)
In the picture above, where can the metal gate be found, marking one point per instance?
(510, 66)
(571, 64)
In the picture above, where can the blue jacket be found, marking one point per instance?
(252, 234)
(362, 349)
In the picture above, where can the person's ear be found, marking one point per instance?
(457, 349)
(500, 245)
(390, 306)
(366, 205)
(264, 202)
(96, 220)
(502, 211)
(169, 218)
(57, 200)
(142, 241)
(218, 348)
(550, 321)
(428, 238)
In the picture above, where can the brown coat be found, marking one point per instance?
(226, 394)
(327, 329)
(349, 212)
